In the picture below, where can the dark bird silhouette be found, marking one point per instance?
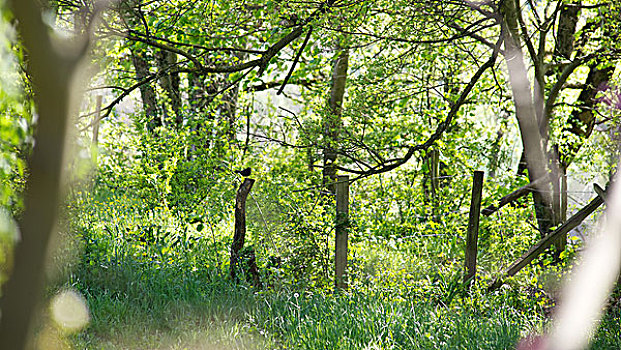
(244, 172)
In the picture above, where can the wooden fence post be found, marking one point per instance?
(96, 118)
(95, 124)
(473, 227)
(342, 225)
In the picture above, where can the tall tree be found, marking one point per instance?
(169, 81)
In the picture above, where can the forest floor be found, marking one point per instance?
(175, 293)
(227, 316)
(222, 315)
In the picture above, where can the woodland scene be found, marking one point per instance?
(324, 174)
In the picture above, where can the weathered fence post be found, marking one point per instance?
(473, 227)
(240, 225)
(342, 225)
(96, 118)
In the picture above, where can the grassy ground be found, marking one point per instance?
(152, 281)
(154, 310)
(138, 305)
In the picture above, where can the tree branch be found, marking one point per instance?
(295, 61)
(394, 163)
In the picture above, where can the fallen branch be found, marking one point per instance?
(546, 242)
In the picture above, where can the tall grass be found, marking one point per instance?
(134, 307)
(374, 321)
(155, 281)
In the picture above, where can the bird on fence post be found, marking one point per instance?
(244, 172)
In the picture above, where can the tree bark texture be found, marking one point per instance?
(142, 67)
(196, 96)
(228, 110)
(170, 84)
(431, 182)
(568, 18)
(147, 93)
(582, 120)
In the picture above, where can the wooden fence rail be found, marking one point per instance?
(520, 192)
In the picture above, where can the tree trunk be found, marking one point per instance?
(228, 110)
(582, 120)
(210, 88)
(568, 18)
(196, 96)
(332, 122)
(142, 68)
(530, 131)
(147, 93)
(495, 152)
(431, 182)
(52, 73)
(170, 84)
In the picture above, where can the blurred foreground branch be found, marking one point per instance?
(585, 294)
(52, 64)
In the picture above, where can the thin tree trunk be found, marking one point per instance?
(431, 182)
(210, 88)
(52, 74)
(228, 109)
(196, 96)
(495, 152)
(142, 67)
(332, 122)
